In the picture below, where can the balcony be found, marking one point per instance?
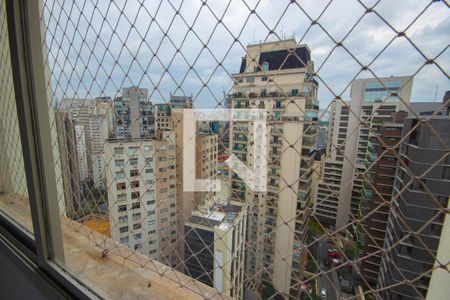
(367, 193)
(371, 157)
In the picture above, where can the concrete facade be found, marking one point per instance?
(65, 128)
(134, 115)
(416, 218)
(350, 122)
(140, 174)
(215, 247)
(288, 94)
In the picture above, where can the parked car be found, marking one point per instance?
(334, 253)
(323, 293)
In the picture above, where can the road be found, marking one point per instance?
(330, 280)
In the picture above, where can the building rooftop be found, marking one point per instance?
(282, 59)
(221, 216)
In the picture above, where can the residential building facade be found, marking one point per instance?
(382, 157)
(420, 204)
(372, 100)
(215, 247)
(134, 115)
(65, 128)
(272, 79)
(81, 110)
(140, 174)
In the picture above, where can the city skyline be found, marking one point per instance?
(164, 72)
(324, 174)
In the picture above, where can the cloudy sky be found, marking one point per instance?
(193, 46)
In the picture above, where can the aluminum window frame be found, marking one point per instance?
(42, 252)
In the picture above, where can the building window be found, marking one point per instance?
(123, 219)
(119, 163)
(120, 175)
(132, 151)
(265, 66)
(148, 171)
(137, 226)
(264, 78)
(121, 197)
(134, 173)
(446, 172)
(124, 240)
(250, 79)
(136, 216)
(123, 229)
(278, 116)
(134, 184)
(138, 236)
(294, 92)
(135, 195)
(122, 208)
(118, 151)
(120, 186)
(148, 148)
(134, 162)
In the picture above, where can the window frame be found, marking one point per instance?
(40, 253)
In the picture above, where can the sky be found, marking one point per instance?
(192, 47)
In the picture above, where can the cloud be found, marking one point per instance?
(98, 50)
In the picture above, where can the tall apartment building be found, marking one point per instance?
(382, 155)
(65, 128)
(170, 119)
(82, 152)
(100, 131)
(163, 117)
(415, 225)
(381, 160)
(276, 76)
(105, 106)
(339, 195)
(99, 127)
(81, 110)
(180, 101)
(215, 247)
(141, 176)
(94, 119)
(99, 174)
(206, 155)
(134, 116)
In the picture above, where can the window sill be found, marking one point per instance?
(113, 276)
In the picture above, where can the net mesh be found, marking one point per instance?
(357, 189)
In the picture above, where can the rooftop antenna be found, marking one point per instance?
(435, 92)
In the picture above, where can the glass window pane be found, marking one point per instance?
(13, 184)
